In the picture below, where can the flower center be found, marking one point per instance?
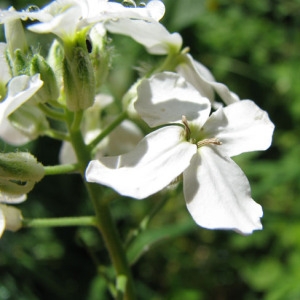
(200, 143)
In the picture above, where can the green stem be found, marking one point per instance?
(58, 135)
(145, 221)
(108, 129)
(105, 222)
(61, 169)
(60, 222)
(52, 113)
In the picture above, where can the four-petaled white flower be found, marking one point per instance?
(216, 191)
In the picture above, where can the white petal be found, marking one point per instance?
(241, 127)
(152, 165)
(150, 34)
(218, 194)
(20, 89)
(2, 222)
(63, 25)
(201, 78)
(5, 70)
(153, 11)
(10, 218)
(166, 96)
(12, 199)
(67, 154)
(11, 135)
(11, 14)
(123, 138)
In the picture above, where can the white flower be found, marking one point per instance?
(216, 191)
(201, 78)
(20, 89)
(152, 35)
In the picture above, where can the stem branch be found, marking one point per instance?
(60, 222)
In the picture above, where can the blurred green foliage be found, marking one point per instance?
(253, 47)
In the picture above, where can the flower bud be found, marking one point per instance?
(19, 172)
(55, 58)
(49, 91)
(100, 54)
(79, 80)
(20, 63)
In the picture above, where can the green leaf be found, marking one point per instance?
(151, 237)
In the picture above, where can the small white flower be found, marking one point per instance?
(216, 191)
(20, 89)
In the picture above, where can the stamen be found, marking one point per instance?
(213, 141)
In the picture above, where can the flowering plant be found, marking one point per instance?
(190, 136)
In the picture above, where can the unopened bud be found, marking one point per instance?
(100, 54)
(55, 58)
(19, 172)
(79, 80)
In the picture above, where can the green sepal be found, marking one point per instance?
(49, 91)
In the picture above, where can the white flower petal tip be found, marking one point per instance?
(156, 9)
(12, 199)
(151, 34)
(147, 169)
(201, 78)
(242, 127)
(166, 96)
(218, 194)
